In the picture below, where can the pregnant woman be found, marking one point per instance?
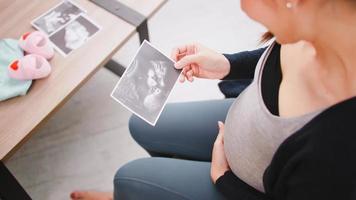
(291, 135)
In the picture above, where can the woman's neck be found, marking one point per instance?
(335, 55)
(336, 51)
(334, 39)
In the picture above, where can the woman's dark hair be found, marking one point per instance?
(266, 37)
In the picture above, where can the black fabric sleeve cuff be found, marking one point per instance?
(234, 188)
(243, 64)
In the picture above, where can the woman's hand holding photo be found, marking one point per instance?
(199, 61)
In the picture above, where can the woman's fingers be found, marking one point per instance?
(221, 127)
(187, 60)
(179, 52)
(174, 53)
(180, 56)
(189, 75)
(220, 137)
(189, 69)
(183, 75)
(181, 78)
(185, 70)
(219, 140)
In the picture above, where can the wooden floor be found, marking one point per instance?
(81, 146)
(84, 143)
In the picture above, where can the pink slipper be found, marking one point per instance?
(29, 67)
(37, 43)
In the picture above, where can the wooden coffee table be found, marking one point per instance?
(21, 116)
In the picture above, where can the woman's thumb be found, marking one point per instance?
(221, 125)
(186, 60)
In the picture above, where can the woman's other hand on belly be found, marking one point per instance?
(219, 163)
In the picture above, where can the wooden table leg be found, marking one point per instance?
(142, 30)
(115, 67)
(10, 188)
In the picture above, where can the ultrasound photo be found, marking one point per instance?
(57, 17)
(74, 35)
(145, 86)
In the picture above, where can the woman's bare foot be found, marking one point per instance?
(91, 195)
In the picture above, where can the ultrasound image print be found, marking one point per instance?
(74, 35)
(57, 17)
(147, 83)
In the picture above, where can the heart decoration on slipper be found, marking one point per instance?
(29, 67)
(37, 43)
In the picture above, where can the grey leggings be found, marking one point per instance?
(185, 131)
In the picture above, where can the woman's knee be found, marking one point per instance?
(164, 178)
(135, 129)
(143, 133)
(136, 180)
(125, 180)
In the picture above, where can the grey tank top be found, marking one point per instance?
(253, 133)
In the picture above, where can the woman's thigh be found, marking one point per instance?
(186, 130)
(165, 178)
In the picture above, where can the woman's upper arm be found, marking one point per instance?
(243, 64)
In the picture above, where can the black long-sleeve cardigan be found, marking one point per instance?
(316, 162)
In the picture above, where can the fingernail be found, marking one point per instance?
(176, 65)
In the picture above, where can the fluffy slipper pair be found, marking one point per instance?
(34, 65)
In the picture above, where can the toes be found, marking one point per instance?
(77, 195)
(91, 195)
